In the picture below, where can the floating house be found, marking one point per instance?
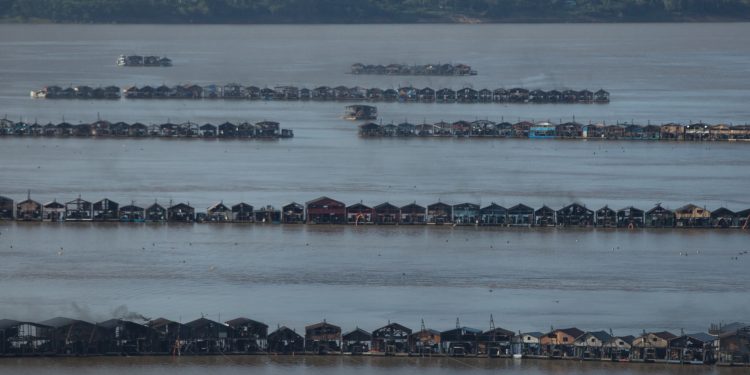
(439, 213)
(53, 211)
(724, 218)
(325, 210)
(659, 217)
(78, 210)
(425, 341)
(734, 345)
(219, 213)
(495, 342)
(181, 212)
(630, 217)
(617, 348)
(242, 213)
(359, 213)
(106, 210)
(156, 212)
(560, 342)
(543, 130)
(466, 214)
(29, 210)
(493, 214)
(413, 213)
(285, 341)
(124, 337)
(651, 346)
(606, 218)
(386, 213)
(132, 213)
(293, 213)
(25, 338)
(694, 348)
(247, 335)
(7, 208)
(267, 214)
(544, 217)
(575, 215)
(528, 343)
(356, 341)
(76, 337)
(322, 338)
(391, 339)
(692, 216)
(460, 341)
(520, 215)
(590, 345)
(172, 336)
(207, 336)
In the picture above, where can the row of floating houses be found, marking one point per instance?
(325, 210)
(102, 128)
(569, 130)
(138, 60)
(326, 93)
(416, 70)
(725, 344)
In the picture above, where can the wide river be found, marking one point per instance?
(528, 279)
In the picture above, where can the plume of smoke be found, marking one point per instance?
(122, 312)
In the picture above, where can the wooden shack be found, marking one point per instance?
(106, 210)
(659, 217)
(544, 217)
(734, 346)
(651, 346)
(322, 338)
(617, 348)
(439, 213)
(219, 213)
(293, 213)
(630, 217)
(606, 217)
(425, 341)
(285, 341)
(495, 342)
(466, 214)
(132, 213)
(7, 208)
(359, 213)
(25, 338)
(493, 214)
(247, 335)
(267, 214)
(78, 210)
(53, 211)
(391, 339)
(325, 210)
(413, 213)
(692, 216)
(356, 342)
(672, 132)
(520, 215)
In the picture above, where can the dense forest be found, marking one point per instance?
(369, 11)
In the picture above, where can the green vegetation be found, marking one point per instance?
(364, 11)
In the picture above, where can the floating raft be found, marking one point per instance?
(326, 210)
(414, 70)
(407, 94)
(104, 129)
(569, 130)
(62, 336)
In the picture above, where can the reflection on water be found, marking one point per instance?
(338, 365)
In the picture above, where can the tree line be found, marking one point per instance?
(368, 11)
